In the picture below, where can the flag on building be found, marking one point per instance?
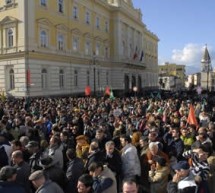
(141, 56)
(135, 54)
(107, 91)
(191, 119)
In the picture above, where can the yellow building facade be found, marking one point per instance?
(58, 47)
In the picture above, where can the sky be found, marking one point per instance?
(183, 27)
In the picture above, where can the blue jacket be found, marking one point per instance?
(10, 187)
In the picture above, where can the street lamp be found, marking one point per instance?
(94, 74)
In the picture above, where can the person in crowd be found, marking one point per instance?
(34, 160)
(85, 184)
(130, 159)
(23, 170)
(158, 175)
(187, 138)
(129, 186)
(8, 181)
(183, 181)
(52, 170)
(42, 184)
(56, 151)
(5, 150)
(75, 168)
(82, 147)
(94, 155)
(200, 166)
(104, 178)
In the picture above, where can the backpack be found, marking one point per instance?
(3, 157)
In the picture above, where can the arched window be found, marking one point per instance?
(43, 2)
(10, 37)
(60, 42)
(60, 6)
(75, 12)
(44, 82)
(43, 39)
(61, 78)
(8, 1)
(12, 80)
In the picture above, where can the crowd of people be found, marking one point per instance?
(103, 145)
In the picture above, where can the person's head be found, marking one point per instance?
(24, 140)
(143, 141)
(17, 157)
(64, 136)
(153, 136)
(175, 132)
(100, 134)
(32, 147)
(184, 131)
(8, 173)
(85, 183)
(182, 168)
(202, 133)
(109, 147)
(37, 178)
(95, 168)
(129, 186)
(16, 145)
(54, 140)
(94, 146)
(204, 151)
(124, 140)
(153, 148)
(160, 161)
(71, 154)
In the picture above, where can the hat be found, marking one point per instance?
(36, 175)
(47, 162)
(32, 144)
(7, 172)
(160, 160)
(181, 165)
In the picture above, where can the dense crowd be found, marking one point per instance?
(103, 145)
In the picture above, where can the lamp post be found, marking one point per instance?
(208, 78)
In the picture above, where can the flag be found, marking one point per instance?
(87, 91)
(107, 91)
(135, 54)
(111, 95)
(191, 119)
(141, 56)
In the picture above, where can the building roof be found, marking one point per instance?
(206, 56)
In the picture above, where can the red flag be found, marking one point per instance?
(191, 119)
(28, 74)
(87, 90)
(107, 91)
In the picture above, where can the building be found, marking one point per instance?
(207, 72)
(60, 47)
(174, 73)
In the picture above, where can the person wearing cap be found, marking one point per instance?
(85, 184)
(183, 181)
(43, 184)
(7, 181)
(34, 160)
(158, 175)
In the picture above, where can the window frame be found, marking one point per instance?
(11, 79)
(10, 38)
(61, 78)
(44, 78)
(60, 6)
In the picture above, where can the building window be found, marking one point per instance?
(75, 44)
(88, 77)
(61, 78)
(8, 1)
(12, 80)
(87, 48)
(97, 49)
(10, 38)
(44, 82)
(97, 22)
(60, 41)
(106, 26)
(87, 17)
(76, 78)
(43, 3)
(43, 39)
(60, 6)
(75, 12)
